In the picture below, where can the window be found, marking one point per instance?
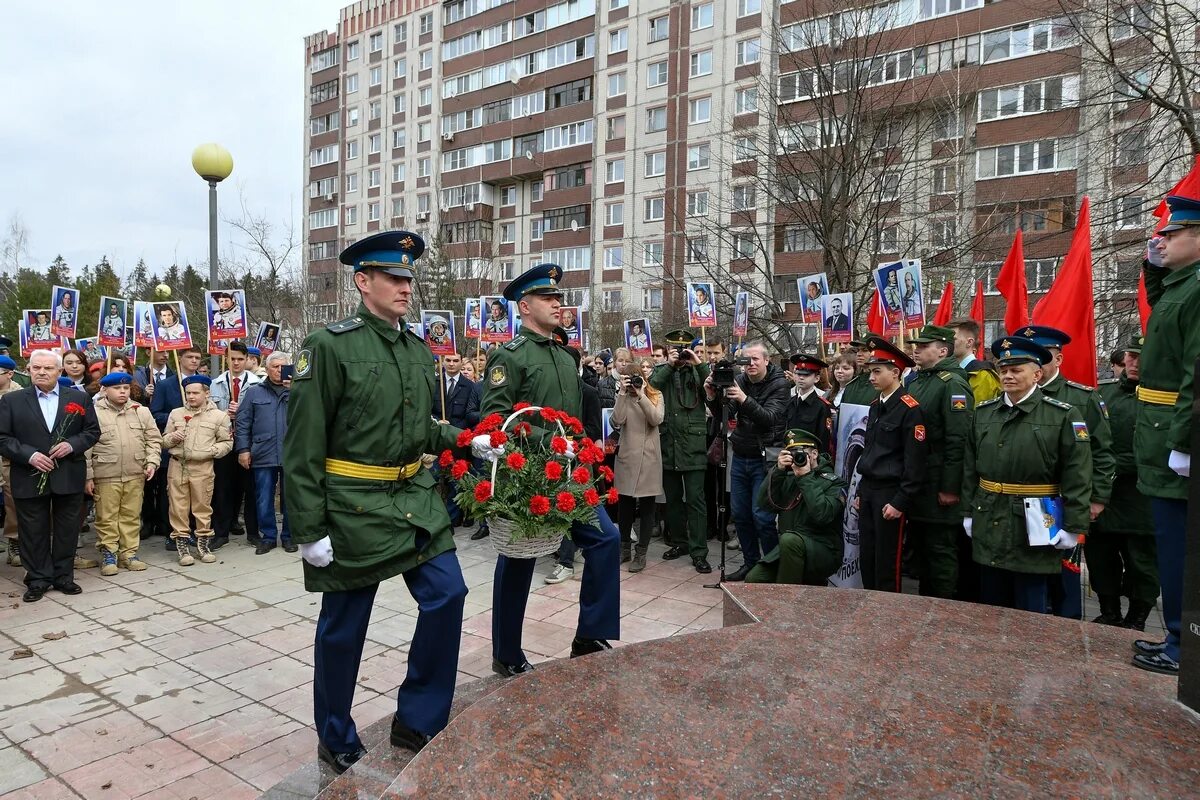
(699, 110)
(373, 212)
(351, 84)
(698, 156)
(351, 149)
(889, 239)
(747, 52)
(425, 60)
(323, 91)
(697, 250)
(397, 206)
(351, 117)
(353, 50)
(424, 131)
(399, 172)
(535, 192)
(423, 167)
(508, 232)
(566, 94)
(322, 187)
(374, 109)
(656, 164)
(423, 204)
(508, 196)
(568, 135)
(652, 254)
(701, 63)
(747, 7)
(351, 215)
(568, 177)
(1129, 212)
(746, 100)
(743, 245)
(889, 187)
(702, 16)
(425, 96)
(743, 149)
(616, 84)
(799, 239)
(566, 218)
(618, 41)
(400, 68)
(399, 103)
(615, 128)
(325, 218)
(1048, 155)
(1027, 39)
(508, 270)
(659, 28)
(321, 250)
(322, 155)
(1136, 19)
(947, 124)
(945, 179)
(425, 24)
(373, 178)
(656, 74)
(743, 197)
(1029, 98)
(943, 233)
(400, 32)
(376, 76)
(1041, 216)
(535, 229)
(374, 143)
(697, 204)
(324, 59)
(614, 256)
(655, 209)
(1131, 147)
(610, 300)
(652, 298)
(614, 214)
(399, 137)
(614, 171)
(613, 5)
(656, 119)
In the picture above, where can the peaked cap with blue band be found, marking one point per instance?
(116, 379)
(1019, 350)
(541, 279)
(393, 252)
(1185, 212)
(1043, 335)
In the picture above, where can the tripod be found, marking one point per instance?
(722, 494)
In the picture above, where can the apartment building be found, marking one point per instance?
(639, 145)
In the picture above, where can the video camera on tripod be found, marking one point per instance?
(724, 372)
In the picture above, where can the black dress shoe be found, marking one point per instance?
(1161, 663)
(509, 670)
(290, 547)
(674, 553)
(217, 542)
(69, 588)
(264, 547)
(584, 647)
(482, 533)
(406, 737)
(702, 566)
(340, 762)
(254, 539)
(32, 595)
(739, 574)
(1144, 647)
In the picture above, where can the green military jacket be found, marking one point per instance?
(531, 369)
(684, 429)
(1128, 510)
(22, 379)
(1040, 441)
(1088, 401)
(809, 506)
(947, 404)
(1168, 361)
(859, 391)
(363, 393)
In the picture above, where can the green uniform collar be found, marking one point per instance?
(1182, 274)
(378, 325)
(535, 337)
(1029, 403)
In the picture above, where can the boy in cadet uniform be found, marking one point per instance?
(807, 410)
(118, 466)
(195, 436)
(892, 466)
(1120, 545)
(809, 499)
(1023, 444)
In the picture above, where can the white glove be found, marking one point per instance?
(570, 449)
(1064, 541)
(967, 526)
(319, 554)
(1180, 463)
(1153, 255)
(481, 447)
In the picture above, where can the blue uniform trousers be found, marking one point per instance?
(599, 597)
(1170, 535)
(1066, 593)
(423, 702)
(1025, 591)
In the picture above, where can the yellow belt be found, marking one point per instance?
(1022, 489)
(369, 472)
(1157, 397)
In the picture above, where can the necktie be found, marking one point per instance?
(450, 385)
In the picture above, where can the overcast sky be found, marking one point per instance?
(107, 101)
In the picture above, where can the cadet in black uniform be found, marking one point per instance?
(807, 410)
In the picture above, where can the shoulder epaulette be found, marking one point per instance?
(829, 476)
(909, 400)
(348, 324)
(516, 342)
(1107, 381)
(945, 375)
(993, 401)
(1083, 386)
(1054, 401)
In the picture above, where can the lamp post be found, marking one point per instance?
(213, 163)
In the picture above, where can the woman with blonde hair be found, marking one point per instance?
(638, 412)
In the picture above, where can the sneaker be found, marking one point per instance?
(86, 563)
(14, 554)
(110, 563)
(561, 573)
(185, 555)
(133, 563)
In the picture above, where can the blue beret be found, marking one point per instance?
(393, 252)
(542, 279)
(1043, 335)
(7, 363)
(203, 380)
(65, 382)
(1184, 212)
(116, 379)
(1019, 350)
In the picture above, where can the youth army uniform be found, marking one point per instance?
(1120, 544)
(13, 558)
(1039, 447)
(190, 473)
(810, 509)
(813, 413)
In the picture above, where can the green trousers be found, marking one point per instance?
(936, 547)
(1123, 564)
(788, 568)
(687, 518)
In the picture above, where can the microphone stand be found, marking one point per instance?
(722, 494)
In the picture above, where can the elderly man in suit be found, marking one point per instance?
(45, 432)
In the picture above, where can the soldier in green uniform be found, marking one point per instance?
(1163, 436)
(19, 378)
(684, 452)
(809, 499)
(1066, 598)
(1120, 545)
(947, 404)
(1023, 445)
(363, 508)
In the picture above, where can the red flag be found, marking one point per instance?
(875, 315)
(1188, 186)
(977, 315)
(945, 309)
(1143, 303)
(1011, 284)
(1070, 304)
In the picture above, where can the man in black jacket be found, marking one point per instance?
(757, 401)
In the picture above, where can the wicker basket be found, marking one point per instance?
(501, 536)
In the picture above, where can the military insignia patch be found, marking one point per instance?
(909, 400)
(919, 433)
(958, 402)
(303, 363)
(1081, 431)
(498, 376)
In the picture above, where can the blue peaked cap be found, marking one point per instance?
(393, 252)
(1043, 335)
(1184, 212)
(541, 279)
(1018, 350)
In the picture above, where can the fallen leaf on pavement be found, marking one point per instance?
(54, 636)
(21, 652)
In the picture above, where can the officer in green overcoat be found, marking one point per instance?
(363, 508)
(682, 436)
(947, 403)
(1023, 444)
(810, 500)
(1120, 548)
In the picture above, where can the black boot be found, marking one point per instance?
(1110, 610)
(626, 551)
(1139, 610)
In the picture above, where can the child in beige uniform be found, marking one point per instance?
(195, 435)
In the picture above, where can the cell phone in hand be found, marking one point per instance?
(287, 372)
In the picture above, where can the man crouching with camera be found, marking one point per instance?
(809, 499)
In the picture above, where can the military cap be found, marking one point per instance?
(116, 379)
(5, 343)
(7, 363)
(1136, 345)
(681, 337)
(803, 362)
(253, 351)
(795, 437)
(65, 382)
(1043, 335)
(559, 334)
(1184, 212)
(203, 380)
(1019, 350)
(933, 333)
(540, 279)
(886, 353)
(858, 343)
(393, 252)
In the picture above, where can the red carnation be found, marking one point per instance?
(499, 438)
(446, 459)
(612, 496)
(554, 471)
(551, 415)
(75, 408)
(464, 438)
(606, 473)
(521, 406)
(186, 419)
(483, 491)
(460, 468)
(489, 423)
(539, 504)
(586, 442)
(565, 502)
(591, 497)
(522, 429)
(581, 475)
(591, 455)
(575, 425)
(515, 461)
(558, 444)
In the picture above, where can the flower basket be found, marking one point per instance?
(501, 533)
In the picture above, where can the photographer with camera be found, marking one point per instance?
(809, 499)
(757, 399)
(638, 468)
